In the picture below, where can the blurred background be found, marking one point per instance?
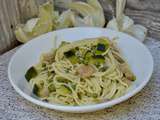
(13, 12)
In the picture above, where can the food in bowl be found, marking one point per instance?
(83, 72)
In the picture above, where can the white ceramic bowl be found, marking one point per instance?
(137, 55)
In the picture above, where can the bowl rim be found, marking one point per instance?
(85, 108)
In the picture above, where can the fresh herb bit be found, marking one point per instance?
(35, 89)
(31, 73)
(51, 88)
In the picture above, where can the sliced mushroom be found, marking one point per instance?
(85, 71)
(128, 82)
(48, 57)
(126, 71)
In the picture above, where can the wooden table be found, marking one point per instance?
(143, 106)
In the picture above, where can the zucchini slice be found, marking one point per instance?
(31, 73)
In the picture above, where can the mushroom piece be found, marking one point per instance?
(126, 71)
(85, 71)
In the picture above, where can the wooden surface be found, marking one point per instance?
(9, 17)
(12, 12)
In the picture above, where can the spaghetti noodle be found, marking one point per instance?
(82, 72)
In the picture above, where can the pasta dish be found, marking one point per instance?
(83, 72)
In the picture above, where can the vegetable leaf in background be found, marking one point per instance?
(89, 13)
(90, 9)
(125, 24)
(36, 26)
